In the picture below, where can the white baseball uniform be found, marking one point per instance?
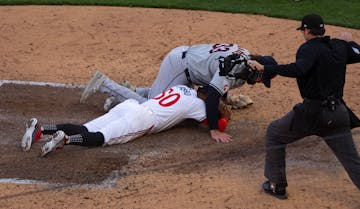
(130, 120)
(202, 63)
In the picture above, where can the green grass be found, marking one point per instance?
(335, 12)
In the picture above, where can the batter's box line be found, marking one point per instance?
(107, 183)
(35, 83)
(51, 187)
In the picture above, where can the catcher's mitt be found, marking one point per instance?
(238, 101)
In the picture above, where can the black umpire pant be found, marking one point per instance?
(280, 133)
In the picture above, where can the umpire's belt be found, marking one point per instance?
(330, 102)
(323, 102)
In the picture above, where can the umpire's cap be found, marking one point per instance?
(311, 21)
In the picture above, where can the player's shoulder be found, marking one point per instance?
(185, 90)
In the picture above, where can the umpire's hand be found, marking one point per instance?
(255, 65)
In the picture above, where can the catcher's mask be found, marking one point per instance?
(233, 66)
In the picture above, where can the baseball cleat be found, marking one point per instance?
(32, 134)
(109, 103)
(56, 141)
(274, 190)
(93, 86)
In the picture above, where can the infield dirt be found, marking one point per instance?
(179, 168)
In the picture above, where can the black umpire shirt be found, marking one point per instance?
(320, 67)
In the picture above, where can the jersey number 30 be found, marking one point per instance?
(168, 98)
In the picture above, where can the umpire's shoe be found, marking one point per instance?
(32, 134)
(274, 190)
(58, 140)
(93, 86)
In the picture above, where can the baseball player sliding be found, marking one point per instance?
(126, 121)
(188, 65)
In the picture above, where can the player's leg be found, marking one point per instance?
(90, 134)
(119, 93)
(112, 101)
(136, 122)
(123, 123)
(86, 135)
(35, 130)
(68, 128)
(60, 139)
(143, 91)
(101, 83)
(171, 72)
(117, 112)
(93, 85)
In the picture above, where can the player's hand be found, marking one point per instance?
(255, 65)
(220, 136)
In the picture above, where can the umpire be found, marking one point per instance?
(319, 69)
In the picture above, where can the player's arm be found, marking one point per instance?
(212, 112)
(212, 101)
(224, 110)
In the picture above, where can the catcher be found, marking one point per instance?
(218, 66)
(127, 121)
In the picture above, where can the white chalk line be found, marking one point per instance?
(107, 183)
(35, 83)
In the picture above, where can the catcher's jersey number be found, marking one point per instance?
(220, 48)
